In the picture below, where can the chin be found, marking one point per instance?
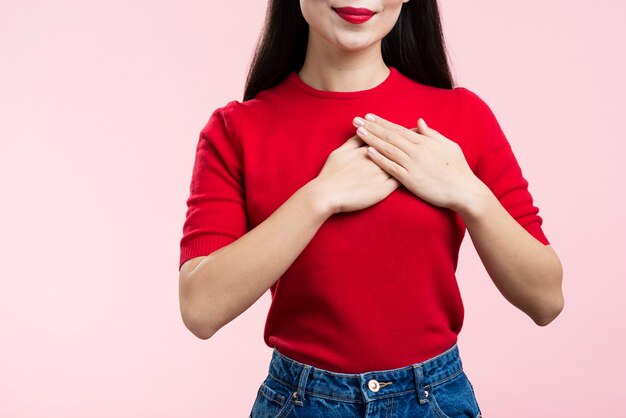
(353, 43)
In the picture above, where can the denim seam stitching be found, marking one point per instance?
(280, 402)
(355, 375)
(331, 397)
(323, 395)
(434, 405)
(445, 379)
(286, 409)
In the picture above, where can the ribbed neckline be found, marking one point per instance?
(295, 79)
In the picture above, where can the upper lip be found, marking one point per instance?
(354, 10)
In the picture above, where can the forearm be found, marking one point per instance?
(526, 272)
(228, 281)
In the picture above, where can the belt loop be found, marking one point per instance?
(419, 381)
(302, 384)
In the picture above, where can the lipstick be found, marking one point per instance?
(354, 15)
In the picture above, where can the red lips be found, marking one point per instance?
(356, 11)
(354, 14)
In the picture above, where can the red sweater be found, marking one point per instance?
(376, 288)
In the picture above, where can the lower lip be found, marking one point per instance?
(354, 18)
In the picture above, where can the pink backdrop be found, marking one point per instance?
(101, 104)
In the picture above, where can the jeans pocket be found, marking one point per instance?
(454, 398)
(273, 400)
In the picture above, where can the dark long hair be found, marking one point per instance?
(415, 46)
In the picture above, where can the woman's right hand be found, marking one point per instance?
(351, 180)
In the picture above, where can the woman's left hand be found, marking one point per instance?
(427, 163)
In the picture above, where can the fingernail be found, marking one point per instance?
(370, 117)
(358, 121)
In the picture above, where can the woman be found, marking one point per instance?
(350, 171)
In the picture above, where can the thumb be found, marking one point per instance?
(352, 143)
(427, 130)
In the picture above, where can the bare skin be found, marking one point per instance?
(217, 288)
(525, 271)
(343, 57)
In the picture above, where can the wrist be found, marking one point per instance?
(474, 200)
(318, 197)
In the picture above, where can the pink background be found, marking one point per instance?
(101, 104)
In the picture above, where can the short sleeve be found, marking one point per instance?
(216, 214)
(497, 166)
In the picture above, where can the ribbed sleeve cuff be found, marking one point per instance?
(202, 246)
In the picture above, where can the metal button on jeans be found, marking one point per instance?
(373, 385)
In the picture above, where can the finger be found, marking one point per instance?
(411, 134)
(393, 169)
(397, 138)
(390, 185)
(352, 143)
(387, 146)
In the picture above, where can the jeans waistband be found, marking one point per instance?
(368, 386)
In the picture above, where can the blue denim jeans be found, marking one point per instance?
(434, 388)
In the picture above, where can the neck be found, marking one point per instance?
(330, 69)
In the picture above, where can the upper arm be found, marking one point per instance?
(216, 211)
(497, 166)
